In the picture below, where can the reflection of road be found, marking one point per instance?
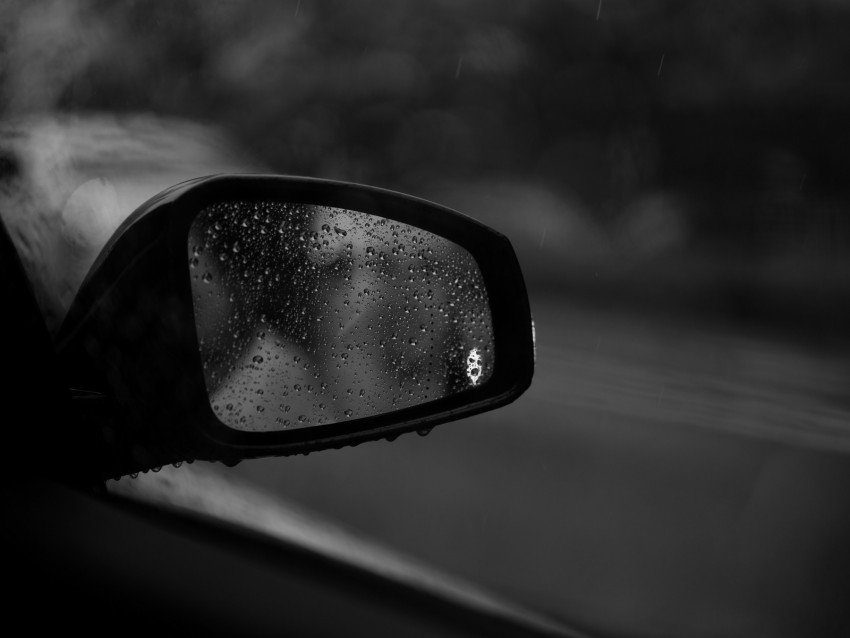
(268, 377)
(655, 479)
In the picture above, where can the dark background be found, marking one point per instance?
(673, 175)
(634, 144)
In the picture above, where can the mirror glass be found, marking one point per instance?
(308, 315)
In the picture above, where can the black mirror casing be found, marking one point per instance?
(129, 346)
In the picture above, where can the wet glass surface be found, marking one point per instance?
(308, 315)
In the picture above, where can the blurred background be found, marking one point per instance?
(673, 176)
(661, 152)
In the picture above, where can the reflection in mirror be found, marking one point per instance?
(308, 315)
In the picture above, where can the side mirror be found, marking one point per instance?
(241, 316)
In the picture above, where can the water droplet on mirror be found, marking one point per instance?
(317, 304)
(257, 359)
(207, 278)
(423, 431)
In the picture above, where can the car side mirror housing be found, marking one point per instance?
(240, 316)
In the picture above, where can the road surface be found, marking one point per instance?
(659, 478)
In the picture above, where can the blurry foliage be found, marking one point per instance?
(729, 116)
